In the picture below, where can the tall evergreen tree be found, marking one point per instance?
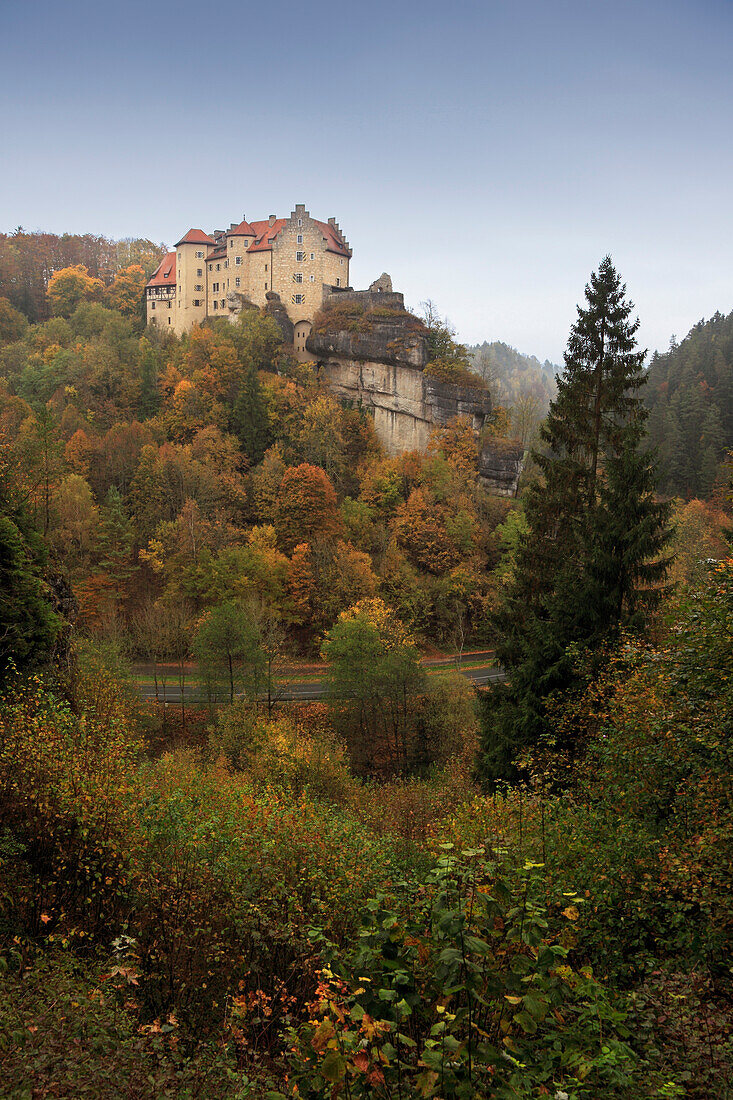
(249, 420)
(591, 561)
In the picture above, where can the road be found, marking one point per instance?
(304, 682)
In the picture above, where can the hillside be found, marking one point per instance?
(251, 897)
(510, 374)
(27, 261)
(690, 397)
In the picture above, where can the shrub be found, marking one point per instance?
(460, 991)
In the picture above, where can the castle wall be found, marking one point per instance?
(302, 237)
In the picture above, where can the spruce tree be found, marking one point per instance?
(591, 561)
(249, 420)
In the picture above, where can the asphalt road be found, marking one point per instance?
(304, 682)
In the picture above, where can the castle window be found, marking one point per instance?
(338, 282)
(300, 238)
(152, 305)
(211, 267)
(299, 257)
(199, 271)
(199, 255)
(216, 304)
(169, 320)
(313, 255)
(237, 261)
(169, 305)
(218, 267)
(196, 302)
(237, 282)
(298, 277)
(223, 303)
(265, 286)
(298, 299)
(199, 286)
(300, 221)
(226, 263)
(313, 278)
(231, 242)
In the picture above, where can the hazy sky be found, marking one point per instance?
(486, 154)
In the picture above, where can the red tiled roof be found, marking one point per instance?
(166, 273)
(196, 236)
(244, 229)
(265, 234)
(333, 239)
(217, 254)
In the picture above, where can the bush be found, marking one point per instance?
(461, 991)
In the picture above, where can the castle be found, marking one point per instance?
(298, 259)
(298, 267)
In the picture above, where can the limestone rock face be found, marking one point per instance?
(382, 342)
(406, 403)
(500, 465)
(274, 308)
(374, 354)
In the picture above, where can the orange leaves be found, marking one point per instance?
(306, 507)
(126, 292)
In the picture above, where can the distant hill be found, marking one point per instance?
(27, 261)
(689, 393)
(511, 375)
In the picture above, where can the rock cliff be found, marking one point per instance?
(500, 465)
(374, 353)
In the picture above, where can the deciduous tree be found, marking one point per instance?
(71, 286)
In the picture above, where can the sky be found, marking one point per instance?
(486, 154)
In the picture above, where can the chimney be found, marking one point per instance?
(272, 219)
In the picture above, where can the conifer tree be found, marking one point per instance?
(249, 419)
(591, 561)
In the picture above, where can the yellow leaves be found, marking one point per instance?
(378, 614)
(154, 555)
(572, 912)
(512, 999)
(324, 1033)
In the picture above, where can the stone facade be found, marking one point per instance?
(298, 258)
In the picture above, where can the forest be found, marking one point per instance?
(690, 398)
(409, 887)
